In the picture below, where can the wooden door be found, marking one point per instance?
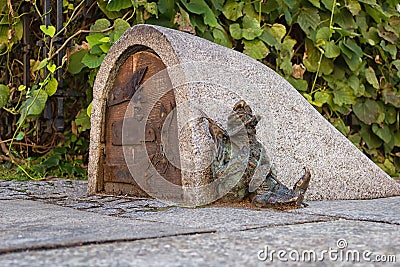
(138, 68)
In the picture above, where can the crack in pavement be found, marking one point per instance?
(97, 242)
(348, 218)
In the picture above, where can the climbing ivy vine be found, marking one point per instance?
(341, 55)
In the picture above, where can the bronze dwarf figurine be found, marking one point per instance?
(237, 152)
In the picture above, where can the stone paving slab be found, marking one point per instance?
(379, 210)
(28, 224)
(225, 218)
(45, 189)
(62, 226)
(242, 248)
(72, 194)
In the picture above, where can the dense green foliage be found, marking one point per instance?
(342, 56)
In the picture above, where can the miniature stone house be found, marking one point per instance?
(295, 132)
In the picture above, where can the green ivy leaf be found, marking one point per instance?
(307, 97)
(371, 36)
(383, 132)
(117, 5)
(82, 121)
(300, 85)
(371, 77)
(3, 6)
(288, 45)
(20, 136)
(218, 4)
(355, 139)
(51, 67)
(394, 23)
(233, 10)
(3, 37)
(105, 39)
(396, 63)
(4, 95)
(354, 83)
(110, 14)
(167, 8)
(120, 27)
(354, 47)
(194, 22)
(368, 111)
(52, 161)
(369, 138)
(251, 28)
(221, 37)
(286, 66)
(343, 95)
(151, 8)
(89, 109)
(249, 11)
(388, 167)
(368, 2)
(361, 21)
(321, 97)
(49, 30)
(389, 33)
(346, 21)
(311, 56)
(396, 137)
(235, 31)
(288, 16)
(331, 50)
(391, 97)
(354, 7)
(105, 47)
(200, 7)
(96, 50)
(390, 48)
(278, 31)
(35, 104)
(100, 25)
(323, 33)
(51, 86)
(94, 39)
(327, 66)
(42, 64)
(92, 61)
(339, 124)
(390, 115)
(75, 64)
(346, 51)
(315, 3)
(328, 4)
(19, 29)
(268, 38)
(354, 63)
(255, 49)
(267, 6)
(308, 18)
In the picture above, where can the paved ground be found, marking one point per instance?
(55, 223)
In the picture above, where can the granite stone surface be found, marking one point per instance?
(385, 210)
(350, 243)
(31, 224)
(70, 228)
(226, 218)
